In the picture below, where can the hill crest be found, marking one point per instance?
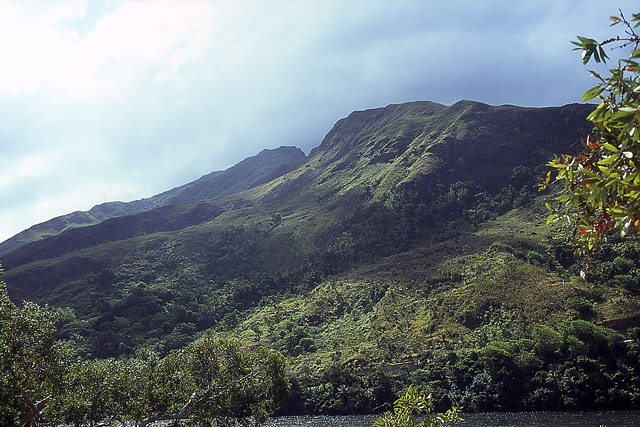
(248, 173)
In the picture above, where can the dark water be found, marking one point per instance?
(487, 419)
(317, 421)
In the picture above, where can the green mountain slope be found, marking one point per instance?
(252, 171)
(381, 182)
(412, 241)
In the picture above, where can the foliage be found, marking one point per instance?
(602, 184)
(211, 381)
(338, 389)
(490, 330)
(414, 409)
(577, 365)
(32, 362)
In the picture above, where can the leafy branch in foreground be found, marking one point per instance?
(602, 183)
(414, 409)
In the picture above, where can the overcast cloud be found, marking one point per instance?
(119, 100)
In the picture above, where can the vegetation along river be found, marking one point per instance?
(485, 419)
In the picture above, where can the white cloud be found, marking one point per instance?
(29, 42)
(41, 47)
(29, 166)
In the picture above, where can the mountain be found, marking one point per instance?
(250, 172)
(410, 245)
(381, 182)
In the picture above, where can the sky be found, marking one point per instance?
(119, 100)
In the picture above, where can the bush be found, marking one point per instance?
(414, 409)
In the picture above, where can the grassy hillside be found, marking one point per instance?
(483, 320)
(410, 246)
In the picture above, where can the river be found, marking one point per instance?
(486, 419)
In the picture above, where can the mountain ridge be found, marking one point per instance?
(250, 172)
(419, 150)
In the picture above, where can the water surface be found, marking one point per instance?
(485, 419)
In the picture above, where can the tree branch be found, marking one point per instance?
(194, 399)
(30, 418)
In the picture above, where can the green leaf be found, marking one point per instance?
(604, 170)
(625, 115)
(607, 161)
(594, 92)
(634, 194)
(611, 183)
(578, 280)
(595, 193)
(603, 56)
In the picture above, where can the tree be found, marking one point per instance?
(602, 184)
(32, 362)
(414, 409)
(212, 381)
